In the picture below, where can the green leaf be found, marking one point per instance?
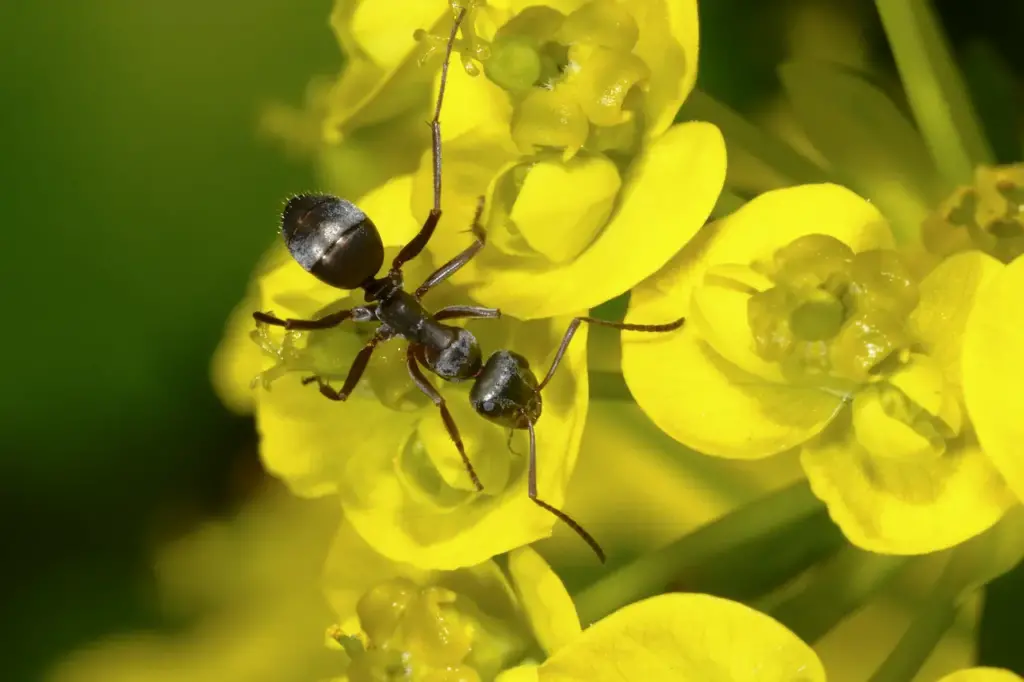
(871, 146)
(743, 137)
(935, 89)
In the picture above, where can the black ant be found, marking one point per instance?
(338, 244)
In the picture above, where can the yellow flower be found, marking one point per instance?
(872, 147)
(993, 371)
(248, 587)
(367, 126)
(982, 675)
(801, 317)
(385, 451)
(567, 129)
(678, 637)
(444, 626)
(988, 215)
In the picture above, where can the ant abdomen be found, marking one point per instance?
(506, 392)
(332, 239)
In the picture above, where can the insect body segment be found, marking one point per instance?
(336, 242)
(506, 391)
(332, 239)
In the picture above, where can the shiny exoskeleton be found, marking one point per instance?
(336, 242)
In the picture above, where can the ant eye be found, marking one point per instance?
(488, 406)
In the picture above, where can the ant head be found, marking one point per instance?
(505, 392)
(332, 239)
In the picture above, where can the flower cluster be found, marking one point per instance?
(866, 327)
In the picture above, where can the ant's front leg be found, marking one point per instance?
(419, 242)
(358, 314)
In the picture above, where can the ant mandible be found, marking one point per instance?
(337, 243)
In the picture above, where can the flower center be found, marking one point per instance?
(570, 77)
(831, 312)
(409, 633)
(988, 216)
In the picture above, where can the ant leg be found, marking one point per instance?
(531, 478)
(449, 422)
(575, 324)
(355, 373)
(414, 247)
(474, 312)
(508, 444)
(452, 266)
(359, 314)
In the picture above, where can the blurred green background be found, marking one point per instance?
(137, 198)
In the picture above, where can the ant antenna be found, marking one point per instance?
(532, 462)
(532, 489)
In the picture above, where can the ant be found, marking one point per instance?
(338, 244)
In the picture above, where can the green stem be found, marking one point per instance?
(743, 136)
(933, 618)
(651, 573)
(918, 642)
(935, 89)
(844, 584)
(767, 563)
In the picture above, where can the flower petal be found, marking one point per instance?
(893, 506)
(291, 419)
(545, 600)
(384, 32)
(720, 315)
(526, 673)
(866, 138)
(993, 373)
(750, 236)
(774, 219)
(668, 43)
(982, 675)
(471, 103)
(352, 568)
(667, 198)
(390, 208)
(947, 295)
(298, 426)
(383, 78)
(695, 395)
(237, 359)
(706, 403)
(685, 638)
(554, 217)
